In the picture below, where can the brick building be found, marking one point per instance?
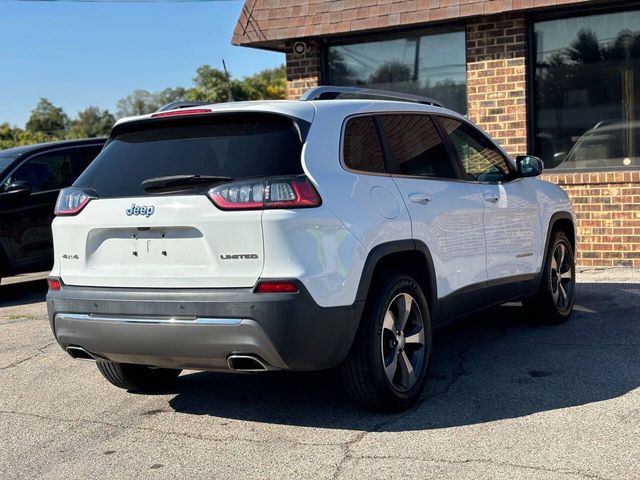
(555, 78)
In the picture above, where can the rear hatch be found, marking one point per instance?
(169, 234)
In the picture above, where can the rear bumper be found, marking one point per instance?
(200, 328)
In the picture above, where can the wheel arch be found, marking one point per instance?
(562, 221)
(410, 256)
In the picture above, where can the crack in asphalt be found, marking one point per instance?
(491, 461)
(347, 445)
(459, 372)
(40, 351)
(166, 432)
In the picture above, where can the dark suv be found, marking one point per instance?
(30, 179)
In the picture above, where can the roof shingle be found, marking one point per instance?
(268, 23)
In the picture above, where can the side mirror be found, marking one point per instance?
(18, 187)
(529, 166)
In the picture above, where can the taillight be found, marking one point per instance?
(54, 283)
(184, 111)
(290, 192)
(71, 201)
(276, 286)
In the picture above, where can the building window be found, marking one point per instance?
(430, 65)
(587, 91)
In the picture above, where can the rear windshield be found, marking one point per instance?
(236, 146)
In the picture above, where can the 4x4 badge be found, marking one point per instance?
(145, 211)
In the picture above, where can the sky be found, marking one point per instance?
(77, 54)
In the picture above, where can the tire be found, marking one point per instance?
(137, 377)
(378, 349)
(553, 302)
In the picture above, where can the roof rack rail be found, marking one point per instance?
(331, 93)
(180, 104)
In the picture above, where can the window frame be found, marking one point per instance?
(392, 164)
(530, 64)
(28, 158)
(410, 32)
(343, 131)
(392, 167)
(513, 171)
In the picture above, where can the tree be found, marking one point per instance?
(394, 71)
(138, 103)
(270, 83)
(48, 122)
(341, 72)
(15, 137)
(48, 119)
(141, 102)
(585, 48)
(211, 85)
(91, 122)
(169, 95)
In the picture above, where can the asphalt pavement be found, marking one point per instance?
(506, 399)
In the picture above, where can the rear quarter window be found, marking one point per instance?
(228, 145)
(361, 146)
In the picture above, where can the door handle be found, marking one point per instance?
(490, 197)
(421, 198)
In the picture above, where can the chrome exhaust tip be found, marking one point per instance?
(80, 353)
(246, 363)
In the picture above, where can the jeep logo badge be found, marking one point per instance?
(145, 211)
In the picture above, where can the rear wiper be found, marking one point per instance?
(159, 183)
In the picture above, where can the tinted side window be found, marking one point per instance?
(416, 146)
(362, 150)
(481, 160)
(49, 171)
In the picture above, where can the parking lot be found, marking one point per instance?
(506, 398)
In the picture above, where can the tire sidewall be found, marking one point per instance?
(395, 285)
(560, 238)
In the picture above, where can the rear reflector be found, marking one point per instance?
(54, 283)
(184, 111)
(274, 286)
(258, 194)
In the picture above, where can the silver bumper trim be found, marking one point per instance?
(150, 320)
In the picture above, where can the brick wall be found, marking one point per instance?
(496, 78)
(607, 207)
(303, 71)
(607, 204)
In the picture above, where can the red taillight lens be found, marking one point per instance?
(184, 111)
(54, 283)
(293, 192)
(71, 201)
(276, 286)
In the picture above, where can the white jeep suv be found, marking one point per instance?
(300, 235)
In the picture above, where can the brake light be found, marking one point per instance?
(54, 283)
(71, 201)
(184, 111)
(291, 192)
(276, 286)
